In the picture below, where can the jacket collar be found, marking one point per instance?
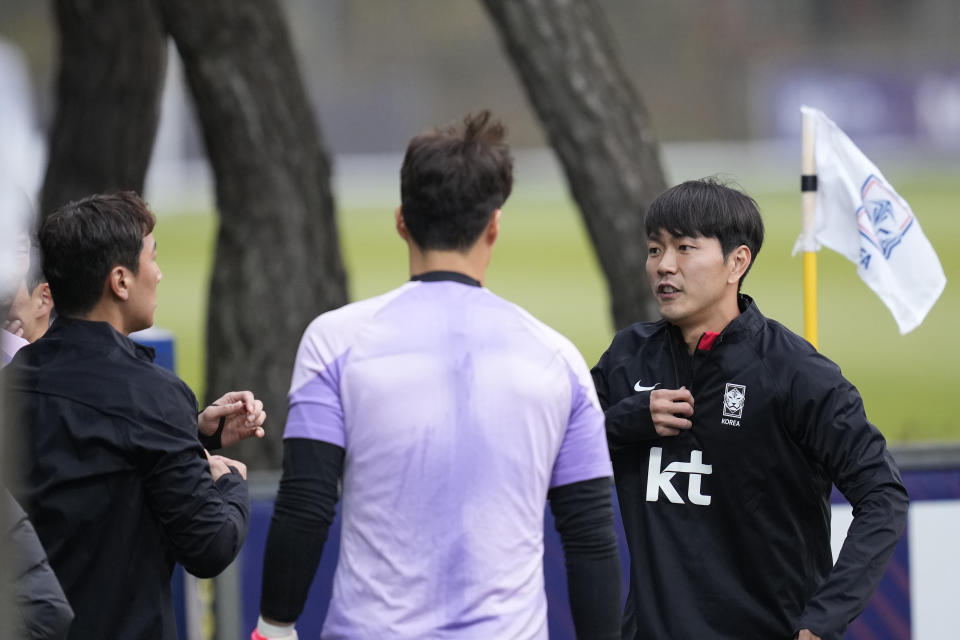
(749, 322)
(77, 330)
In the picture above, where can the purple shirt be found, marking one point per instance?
(9, 345)
(458, 411)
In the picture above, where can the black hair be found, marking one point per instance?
(35, 275)
(452, 180)
(710, 209)
(83, 240)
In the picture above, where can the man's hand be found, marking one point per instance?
(219, 465)
(806, 634)
(243, 417)
(670, 410)
(14, 326)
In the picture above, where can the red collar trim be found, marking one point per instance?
(707, 340)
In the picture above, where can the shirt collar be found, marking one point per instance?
(440, 276)
(80, 330)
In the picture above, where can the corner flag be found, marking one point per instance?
(858, 214)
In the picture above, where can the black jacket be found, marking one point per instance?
(728, 523)
(41, 610)
(115, 481)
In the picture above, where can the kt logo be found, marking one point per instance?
(658, 481)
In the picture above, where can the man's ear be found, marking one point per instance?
(118, 282)
(401, 225)
(492, 231)
(739, 261)
(44, 301)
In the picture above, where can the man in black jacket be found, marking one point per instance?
(726, 432)
(115, 479)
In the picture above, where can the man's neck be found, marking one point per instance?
(109, 314)
(472, 264)
(717, 320)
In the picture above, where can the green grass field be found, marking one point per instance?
(544, 263)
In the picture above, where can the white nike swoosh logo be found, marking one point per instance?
(639, 387)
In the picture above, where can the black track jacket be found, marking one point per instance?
(728, 523)
(115, 481)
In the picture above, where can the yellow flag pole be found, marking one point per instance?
(808, 188)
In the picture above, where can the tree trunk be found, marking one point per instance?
(278, 262)
(599, 128)
(113, 55)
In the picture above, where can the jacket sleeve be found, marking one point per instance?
(832, 426)
(205, 522)
(628, 419)
(41, 608)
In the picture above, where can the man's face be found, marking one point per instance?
(32, 310)
(142, 301)
(689, 277)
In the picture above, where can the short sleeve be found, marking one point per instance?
(583, 452)
(316, 411)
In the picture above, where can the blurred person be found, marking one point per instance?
(32, 307)
(39, 610)
(14, 259)
(115, 480)
(726, 432)
(450, 415)
(36, 607)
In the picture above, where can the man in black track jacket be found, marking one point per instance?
(726, 433)
(115, 480)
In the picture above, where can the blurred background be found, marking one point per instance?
(723, 82)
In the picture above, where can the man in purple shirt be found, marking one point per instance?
(451, 416)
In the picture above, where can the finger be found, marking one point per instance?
(223, 410)
(253, 415)
(681, 409)
(667, 431)
(670, 395)
(260, 419)
(246, 397)
(674, 422)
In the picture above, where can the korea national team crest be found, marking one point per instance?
(883, 220)
(734, 397)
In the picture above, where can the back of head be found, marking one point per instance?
(83, 240)
(708, 208)
(452, 180)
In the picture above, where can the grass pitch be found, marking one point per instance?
(544, 262)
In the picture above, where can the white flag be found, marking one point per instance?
(859, 215)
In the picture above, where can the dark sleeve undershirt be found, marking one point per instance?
(584, 518)
(304, 508)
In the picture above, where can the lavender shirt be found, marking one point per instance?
(9, 345)
(458, 411)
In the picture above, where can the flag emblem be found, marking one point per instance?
(883, 219)
(733, 399)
